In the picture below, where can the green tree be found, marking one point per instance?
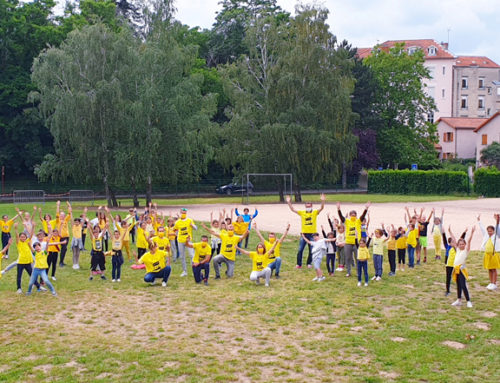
(291, 98)
(83, 91)
(402, 104)
(491, 155)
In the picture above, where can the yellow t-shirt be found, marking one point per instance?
(24, 250)
(228, 246)
(378, 245)
(154, 262)
(117, 244)
(184, 229)
(276, 253)
(259, 261)
(170, 233)
(41, 260)
(97, 244)
(451, 257)
(142, 242)
(45, 225)
(412, 238)
(363, 254)
(54, 248)
(6, 225)
(63, 226)
(126, 237)
(391, 243)
(240, 227)
(202, 251)
(401, 242)
(77, 231)
(352, 230)
(163, 243)
(308, 221)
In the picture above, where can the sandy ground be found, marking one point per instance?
(274, 217)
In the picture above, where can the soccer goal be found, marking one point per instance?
(81, 195)
(278, 184)
(29, 196)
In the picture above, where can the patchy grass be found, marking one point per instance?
(399, 329)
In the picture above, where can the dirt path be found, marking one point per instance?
(274, 217)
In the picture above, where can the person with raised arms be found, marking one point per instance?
(201, 259)
(308, 228)
(157, 264)
(260, 262)
(352, 234)
(247, 218)
(184, 228)
(228, 250)
(275, 256)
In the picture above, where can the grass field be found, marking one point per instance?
(295, 331)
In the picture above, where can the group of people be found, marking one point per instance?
(160, 240)
(348, 242)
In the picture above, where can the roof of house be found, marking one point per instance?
(424, 44)
(463, 122)
(487, 121)
(476, 61)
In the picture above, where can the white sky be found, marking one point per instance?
(474, 24)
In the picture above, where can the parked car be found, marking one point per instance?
(234, 187)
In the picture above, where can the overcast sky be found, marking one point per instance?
(474, 24)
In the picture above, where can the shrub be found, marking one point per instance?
(487, 182)
(417, 182)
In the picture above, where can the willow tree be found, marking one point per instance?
(291, 98)
(83, 93)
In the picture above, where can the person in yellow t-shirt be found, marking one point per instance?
(6, 225)
(184, 228)
(77, 241)
(308, 227)
(411, 241)
(401, 248)
(161, 239)
(25, 258)
(116, 255)
(229, 242)
(157, 264)
(97, 258)
(352, 234)
(172, 237)
(363, 256)
(41, 267)
(142, 239)
(275, 256)
(491, 247)
(201, 259)
(260, 262)
(240, 227)
(62, 221)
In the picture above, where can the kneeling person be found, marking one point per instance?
(274, 257)
(260, 262)
(201, 259)
(157, 264)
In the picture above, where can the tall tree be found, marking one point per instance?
(402, 104)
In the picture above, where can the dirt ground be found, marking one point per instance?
(274, 217)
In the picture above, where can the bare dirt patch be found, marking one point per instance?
(482, 326)
(453, 344)
(398, 339)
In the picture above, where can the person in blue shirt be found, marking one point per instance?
(247, 218)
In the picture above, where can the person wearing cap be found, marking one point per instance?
(184, 230)
(308, 220)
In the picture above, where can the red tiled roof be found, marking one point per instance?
(463, 122)
(424, 45)
(479, 61)
(488, 120)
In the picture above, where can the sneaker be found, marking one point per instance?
(75, 267)
(469, 304)
(298, 267)
(103, 277)
(152, 283)
(54, 294)
(446, 293)
(267, 284)
(366, 284)
(348, 275)
(205, 282)
(494, 287)
(375, 277)
(339, 269)
(19, 291)
(217, 277)
(164, 284)
(425, 259)
(42, 288)
(391, 274)
(322, 278)
(257, 282)
(438, 257)
(309, 266)
(359, 284)
(91, 278)
(54, 278)
(277, 276)
(62, 264)
(458, 302)
(378, 279)
(184, 274)
(113, 280)
(28, 293)
(315, 278)
(6, 256)
(118, 280)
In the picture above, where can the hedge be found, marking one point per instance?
(487, 182)
(417, 182)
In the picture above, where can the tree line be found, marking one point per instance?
(112, 92)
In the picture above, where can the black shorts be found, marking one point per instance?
(97, 259)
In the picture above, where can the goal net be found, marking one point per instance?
(260, 184)
(29, 196)
(81, 195)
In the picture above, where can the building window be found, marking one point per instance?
(480, 102)
(481, 83)
(430, 117)
(443, 93)
(431, 71)
(465, 83)
(484, 139)
(447, 156)
(463, 103)
(432, 51)
(448, 137)
(488, 112)
(431, 91)
(444, 70)
(412, 50)
(498, 91)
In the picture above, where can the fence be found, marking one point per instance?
(28, 196)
